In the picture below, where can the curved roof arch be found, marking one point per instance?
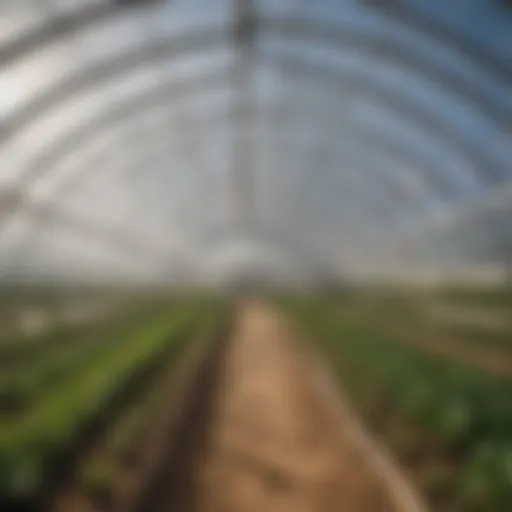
(83, 172)
(424, 143)
(204, 36)
(384, 48)
(483, 163)
(417, 115)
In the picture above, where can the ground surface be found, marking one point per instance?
(258, 432)
(274, 443)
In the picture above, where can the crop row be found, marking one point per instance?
(22, 350)
(34, 444)
(23, 384)
(122, 451)
(449, 423)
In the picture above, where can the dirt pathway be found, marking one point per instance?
(274, 442)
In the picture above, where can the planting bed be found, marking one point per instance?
(449, 422)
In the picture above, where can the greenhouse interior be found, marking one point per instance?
(256, 255)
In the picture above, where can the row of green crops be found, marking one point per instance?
(23, 384)
(22, 350)
(499, 297)
(32, 442)
(496, 339)
(466, 412)
(19, 350)
(123, 445)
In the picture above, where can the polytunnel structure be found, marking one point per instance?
(143, 139)
(255, 255)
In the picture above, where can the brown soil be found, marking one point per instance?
(435, 340)
(487, 359)
(417, 327)
(159, 425)
(271, 440)
(251, 428)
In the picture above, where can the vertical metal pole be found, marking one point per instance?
(242, 181)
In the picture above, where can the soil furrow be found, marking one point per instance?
(261, 435)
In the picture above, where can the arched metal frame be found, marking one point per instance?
(117, 114)
(66, 23)
(208, 37)
(158, 148)
(368, 136)
(85, 168)
(294, 248)
(36, 211)
(292, 28)
(93, 128)
(383, 47)
(335, 130)
(156, 52)
(48, 161)
(487, 169)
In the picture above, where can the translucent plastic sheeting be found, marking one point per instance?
(369, 124)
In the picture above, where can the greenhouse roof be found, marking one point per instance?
(141, 138)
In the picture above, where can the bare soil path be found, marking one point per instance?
(274, 443)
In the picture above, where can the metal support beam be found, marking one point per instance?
(166, 94)
(52, 29)
(485, 167)
(383, 48)
(82, 18)
(173, 91)
(155, 52)
(245, 30)
(35, 212)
